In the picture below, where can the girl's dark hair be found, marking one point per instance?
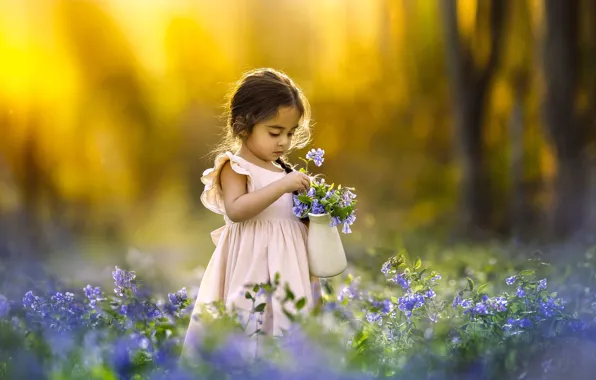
(257, 96)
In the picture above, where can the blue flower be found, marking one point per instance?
(386, 306)
(372, 317)
(350, 219)
(299, 209)
(386, 268)
(525, 323)
(348, 196)
(550, 307)
(510, 280)
(520, 292)
(480, 308)
(317, 208)
(430, 293)
(176, 299)
(316, 155)
(346, 229)
(541, 284)
(346, 292)
(436, 277)
(457, 301)
(124, 280)
(499, 304)
(311, 192)
(399, 279)
(335, 221)
(409, 302)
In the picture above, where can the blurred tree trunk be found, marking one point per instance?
(565, 129)
(470, 84)
(519, 209)
(590, 66)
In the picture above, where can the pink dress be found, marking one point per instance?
(254, 250)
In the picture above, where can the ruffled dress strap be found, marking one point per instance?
(212, 196)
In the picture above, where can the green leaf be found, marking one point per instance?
(301, 303)
(527, 272)
(481, 287)
(421, 273)
(470, 283)
(289, 315)
(418, 263)
(289, 293)
(260, 307)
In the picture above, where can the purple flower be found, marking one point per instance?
(316, 155)
(409, 302)
(176, 299)
(541, 284)
(399, 279)
(335, 221)
(350, 219)
(499, 304)
(520, 292)
(436, 277)
(480, 308)
(386, 306)
(372, 317)
(346, 292)
(311, 192)
(124, 280)
(299, 208)
(430, 293)
(386, 268)
(346, 229)
(550, 307)
(525, 323)
(348, 196)
(317, 208)
(510, 280)
(457, 301)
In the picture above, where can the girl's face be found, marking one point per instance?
(272, 138)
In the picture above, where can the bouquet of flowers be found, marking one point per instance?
(323, 198)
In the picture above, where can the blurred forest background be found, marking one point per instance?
(472, 118)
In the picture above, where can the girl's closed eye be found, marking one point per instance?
(274, 134)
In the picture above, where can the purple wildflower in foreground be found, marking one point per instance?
(409, 302)
(510, 280)
(520, 292)
(541, 284)
(124, 280)
(399, 279)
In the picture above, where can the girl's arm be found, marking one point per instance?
(241, 205)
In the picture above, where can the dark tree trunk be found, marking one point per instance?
(470, 85)
(566, 131)
(519, 212)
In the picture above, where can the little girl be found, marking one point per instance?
(252, 188)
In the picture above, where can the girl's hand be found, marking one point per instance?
(295, 181)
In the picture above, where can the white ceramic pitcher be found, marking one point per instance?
(326, 255)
